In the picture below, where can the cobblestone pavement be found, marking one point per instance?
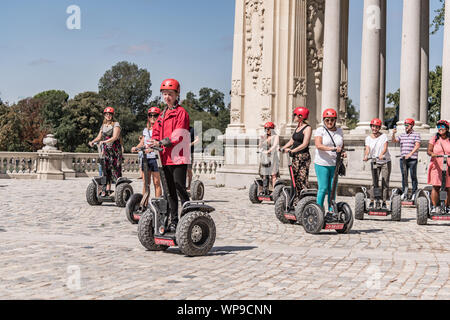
(49, 235)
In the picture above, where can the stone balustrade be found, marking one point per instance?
(26, 165)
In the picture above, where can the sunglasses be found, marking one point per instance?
(441, 126)
(108, 114)
(153, 115)
(330, 120)
(375, 127)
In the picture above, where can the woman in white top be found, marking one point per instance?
(377, 147)
(328, 140)
(152, 165)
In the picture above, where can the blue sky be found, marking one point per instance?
(190, 40)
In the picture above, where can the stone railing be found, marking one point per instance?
(205, 166)
(29, 165)
(18, 164)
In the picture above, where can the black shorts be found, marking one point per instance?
(152, 165)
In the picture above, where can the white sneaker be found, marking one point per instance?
(434, 209)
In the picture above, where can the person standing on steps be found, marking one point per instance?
(171, 131)
(377, 147)
(409, 149)
(298, 146)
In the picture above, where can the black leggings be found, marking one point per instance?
(176, 181)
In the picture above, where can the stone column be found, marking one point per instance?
(410, 63)
(331, 75)
(425, 64)
(445, 102)
(370, 65)
(343, 90)
(236, 125)
(383, 25)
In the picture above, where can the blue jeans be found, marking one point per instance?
(411, 166)
(325, 177)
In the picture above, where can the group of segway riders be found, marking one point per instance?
(296, 203)
(166, 149)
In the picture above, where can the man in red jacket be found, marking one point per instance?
(171, 131)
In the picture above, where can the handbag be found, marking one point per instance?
(265, 160)
(341, 169)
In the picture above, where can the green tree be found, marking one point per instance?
(126, 88)
(434, 96)
(53, 103)
(439, 19)
(82, 120)
(352, 115)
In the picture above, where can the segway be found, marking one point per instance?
(261, 191)
(195, 232)
(138, 203)
(339, 218)
(285, 210)
(395, 207)
(122, 191)
(424, 201)
(408, 200)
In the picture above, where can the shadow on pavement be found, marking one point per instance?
(216, 251)
(366, 231)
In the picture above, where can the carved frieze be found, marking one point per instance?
(235, 116)
(266, 86)
(235, 88)
(300, 87)
(254, 27)
(314, 26)
(266, 115)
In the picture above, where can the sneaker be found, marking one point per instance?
(448, 210)
(434, 210)
(371, 205)
(384, 206)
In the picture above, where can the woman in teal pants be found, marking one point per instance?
(328, 140)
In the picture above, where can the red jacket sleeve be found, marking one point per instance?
(156, 130)
(182, 122)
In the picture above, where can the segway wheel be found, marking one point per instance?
(197, 190)
(313, 218)
(280, 210)
(253, 194)
(422, 211)
(123, 192)
(360, 206)
(396, 214)
(345, 212)
(301, 207)
(132, 208)
(91, 195)
(277, 192)
(146, 233)
(196, 233)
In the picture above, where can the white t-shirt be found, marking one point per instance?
(376, 146)
(328, 158)
(147, 137)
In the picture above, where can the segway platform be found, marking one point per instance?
(441, 218)
(379, 212)
(166, 240)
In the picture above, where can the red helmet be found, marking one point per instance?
(410, 121)
(329, 113)
(108, 110)
(302, 111)
(154, 110)
(376, 122)
(269, 125)
(444, 122)
(170, 84)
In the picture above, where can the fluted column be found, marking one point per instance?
(410, 63)
(383, 25)
(343, 91)
(425, 64)
(445, 102)
(331, 55)
(370, 64)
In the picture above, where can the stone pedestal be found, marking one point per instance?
(50, 160)
(67, 166)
